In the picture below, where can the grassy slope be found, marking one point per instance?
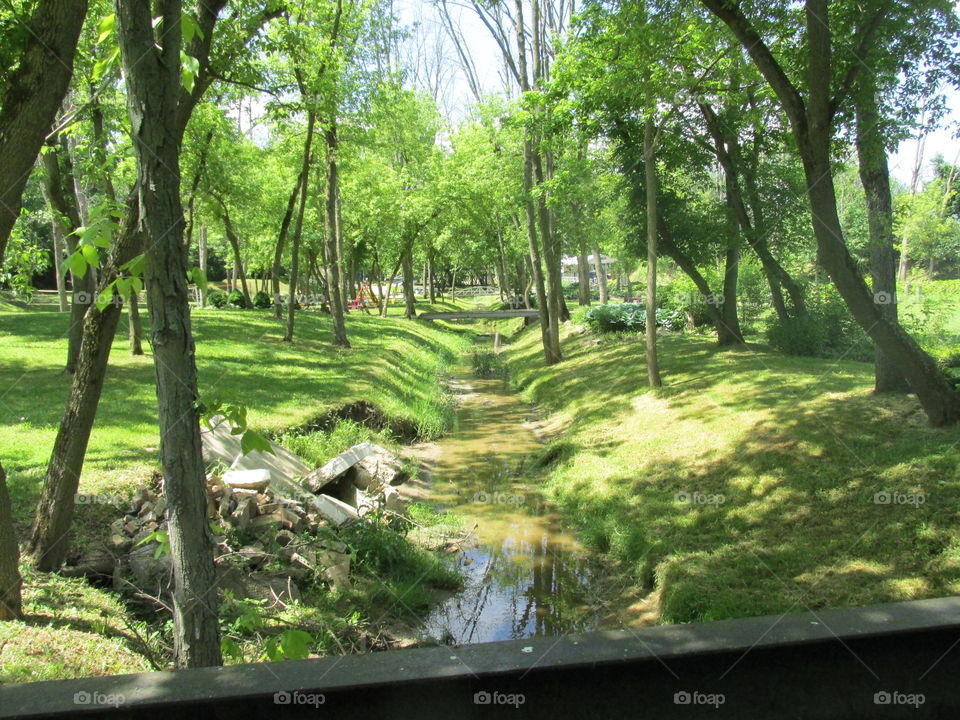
(393, 363)
(240, 355)
(797, 447)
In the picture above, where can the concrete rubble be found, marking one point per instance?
(284, 510)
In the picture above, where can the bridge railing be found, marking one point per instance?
(892, 660)
(475, 291)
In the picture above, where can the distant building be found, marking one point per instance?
(570, 269)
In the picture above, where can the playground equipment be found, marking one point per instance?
(364, 299)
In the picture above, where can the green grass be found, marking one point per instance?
(796, 447)
(394, 364)
(70, 629)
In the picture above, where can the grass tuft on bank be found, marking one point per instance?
(752, 483)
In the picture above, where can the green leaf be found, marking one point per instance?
(295, 644)
(76, 264)
(272, 651)
(135, 266)
(252, 440)
(229, 648)
(91, 255)
(106, 297)
(189, 69)
(199, 277)
(136, 283)
(189, 28)
(123, 286)
(162, 539)
(106, 27)
(102, 65)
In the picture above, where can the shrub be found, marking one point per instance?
(262, 300)
(236, 298)
(629, 317)
(805, 335)
(217, 298)
(828, 331)
(487, 364)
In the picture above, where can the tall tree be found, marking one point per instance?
(812, 118)
(49, 536)
(151, 61)
(10, 580)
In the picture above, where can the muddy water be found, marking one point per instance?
(525, 574)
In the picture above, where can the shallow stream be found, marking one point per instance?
(525, 574)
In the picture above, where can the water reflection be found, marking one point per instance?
(525, 575)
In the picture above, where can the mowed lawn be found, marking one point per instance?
(752, 483)
(394, 363)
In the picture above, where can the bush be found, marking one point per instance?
(236, 298)
(262, 300)
(629, 317)
(806, 336)
(827, 331)
(487, 364)
(217, 298)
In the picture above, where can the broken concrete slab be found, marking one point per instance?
(392, 500)
(335, 568)
(219, 444)
(358, 499)
(379, 467)
(247, 479)
(323, 476)
(331, 509)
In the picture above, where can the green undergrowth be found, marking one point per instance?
(752, 482)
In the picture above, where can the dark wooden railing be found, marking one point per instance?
(898, 660)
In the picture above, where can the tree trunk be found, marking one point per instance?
(10, 580)
(334, 244)
(56, 236)
(153, 85)
(875, 176)
(727, 149)
(601, 275)
(31, 97)
(536, 267)
(60, 193)
(202, 251)
(281, 242)
(686, 264)
(135, 325)
(583, 274)
(552, 259)
(650, 181)
(409, 299)
(49, 537)
(298, 227)
(729, 332)
(234, 241)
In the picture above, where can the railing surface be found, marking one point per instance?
(883, 661)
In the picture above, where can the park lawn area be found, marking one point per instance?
(75, 629)
(747, 485)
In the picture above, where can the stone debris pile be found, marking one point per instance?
(285, 510)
